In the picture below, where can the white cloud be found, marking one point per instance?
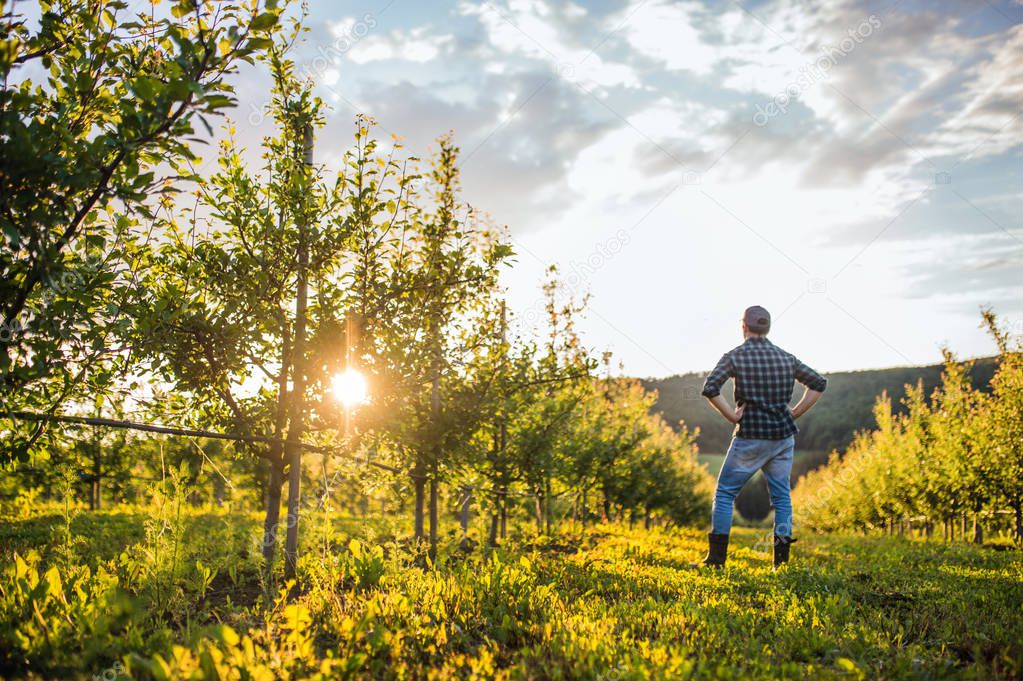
(418, 45)
(669, 34)
(536, 31)
(677, 84)
(989, 122)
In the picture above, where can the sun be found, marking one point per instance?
(350, 388)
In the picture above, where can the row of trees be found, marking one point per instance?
(230, 308)
(958, 455)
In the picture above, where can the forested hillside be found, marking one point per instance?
(846, 408)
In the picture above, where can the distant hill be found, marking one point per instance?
(845, 408)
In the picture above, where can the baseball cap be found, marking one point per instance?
(758, 320)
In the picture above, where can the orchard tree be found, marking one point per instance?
(85, 149)
(437, 265)
(227, 316)
(662, 477)
(504, 367)
(299, 277)
(624, 426)
(531, 402)
(960, 474)
(1004, 421)
(564, 372)
(959, 453)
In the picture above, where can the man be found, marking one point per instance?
(764, 377)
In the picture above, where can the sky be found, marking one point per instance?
(854, 167)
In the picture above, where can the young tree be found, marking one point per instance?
(1004, 421)
(565, 371)
(527, 407)
(83, 152)
(425, 324)
(103, 456)
(961, 453)
(959, 476)
(227, 315)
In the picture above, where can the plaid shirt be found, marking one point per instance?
(764, 378)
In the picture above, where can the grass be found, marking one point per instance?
(604, 602)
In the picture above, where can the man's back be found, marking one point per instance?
(764, 377)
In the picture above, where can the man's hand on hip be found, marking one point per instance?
(809, 399)
(731, 415)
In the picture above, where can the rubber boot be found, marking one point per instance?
(781, 550)
(717, 551)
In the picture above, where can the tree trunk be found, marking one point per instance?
(978, 529)
(464, 520)
(1019, 521)
(547, 504)
(419, 483)
(435, 446)
(296, 416)
(275, 483)
(962, 525)
(273, 511)
(97, 480)
(538, 509)
(495, 521)
(504, 515)
(275, 456)
(294, 496)
(434, 517)
(605, 511)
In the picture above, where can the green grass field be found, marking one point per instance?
(123, 596)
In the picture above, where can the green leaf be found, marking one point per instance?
(264, 21)
(8, 53)
(182, 8)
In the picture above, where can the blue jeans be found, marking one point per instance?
(745, 457)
